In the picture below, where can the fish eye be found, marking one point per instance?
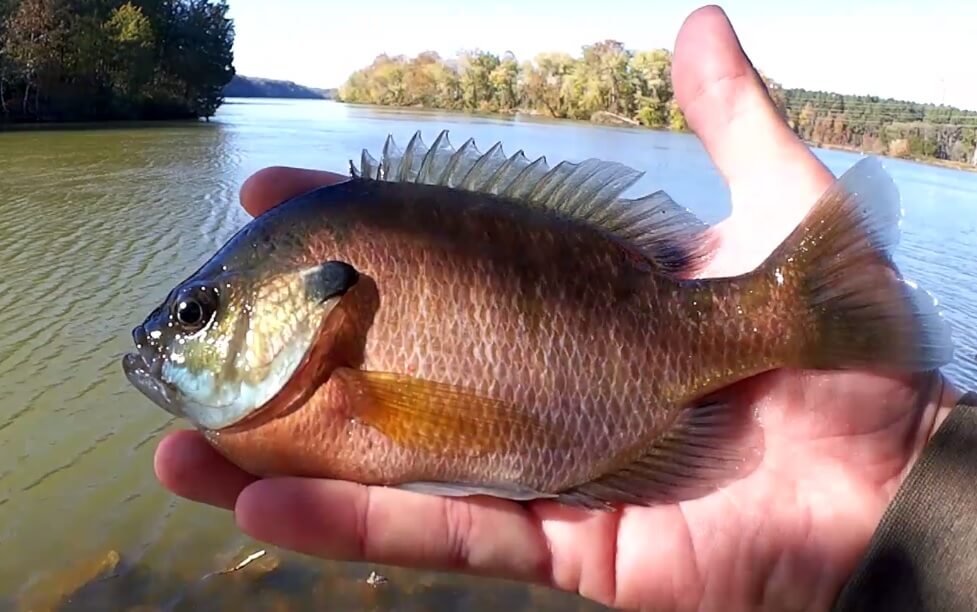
(194, 309)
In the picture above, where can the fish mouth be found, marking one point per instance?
(144, 371)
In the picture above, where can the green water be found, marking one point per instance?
(97, 224)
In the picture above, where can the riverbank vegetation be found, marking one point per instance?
(255, 87)
(608, 82)
(82, 60)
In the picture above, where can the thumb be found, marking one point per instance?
(773, 177)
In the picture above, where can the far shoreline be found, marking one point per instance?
(630, 124)
(927, 161)
(610, 121)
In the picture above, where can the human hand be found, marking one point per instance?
(837, 445)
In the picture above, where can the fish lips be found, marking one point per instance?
(144, 370)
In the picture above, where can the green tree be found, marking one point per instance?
(652, 75)
(600, 81)
(132, 47)
(201, 56)
(34, 42)
(106, 59)
(476, 79)
(542, 83)
(448, 85)
(609, 80)
(505, 82)
(676, 118)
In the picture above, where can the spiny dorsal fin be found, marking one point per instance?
(668, 235)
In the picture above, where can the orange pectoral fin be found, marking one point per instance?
(433, 416)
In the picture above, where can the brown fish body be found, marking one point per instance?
(540, 338)
(584, 338)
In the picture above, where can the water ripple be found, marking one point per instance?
(152, 435)
(65, 466)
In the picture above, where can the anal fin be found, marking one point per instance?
(715, 442)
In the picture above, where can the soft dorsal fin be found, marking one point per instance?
(669, 236)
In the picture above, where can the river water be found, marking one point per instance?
(97, 224)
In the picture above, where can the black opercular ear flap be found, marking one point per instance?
(331, 279)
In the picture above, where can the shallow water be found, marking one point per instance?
(97, 224)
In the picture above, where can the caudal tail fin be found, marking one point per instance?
(858, 312)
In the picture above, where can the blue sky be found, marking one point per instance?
(921, 50)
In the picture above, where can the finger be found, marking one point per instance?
(270, 187)
(773, 177)
(350, 522)
(727, 106)
(188, 465)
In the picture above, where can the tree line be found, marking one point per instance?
(610, 82)
(78, 60)
(875, 125)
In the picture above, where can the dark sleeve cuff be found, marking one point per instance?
(923, 556)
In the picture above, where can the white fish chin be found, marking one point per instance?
(213, 404)
(170, 398)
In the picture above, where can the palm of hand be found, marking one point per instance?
(789, 534)
(836, 444)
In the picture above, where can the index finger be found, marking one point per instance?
(346, 521)
(271, 186)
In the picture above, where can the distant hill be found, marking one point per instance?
(254, 87)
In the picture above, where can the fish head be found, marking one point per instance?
(225, 342)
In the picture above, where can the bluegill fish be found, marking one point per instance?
(460, 323)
